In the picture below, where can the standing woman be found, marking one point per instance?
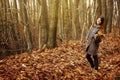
(94, 37)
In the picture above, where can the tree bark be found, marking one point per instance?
(66, 26)
(53, 24)
(44, 24)
(76, 19)
(83, 18)
(118, 21)
(24, 17)
(104, 12)
(98, 12)
(110, 15)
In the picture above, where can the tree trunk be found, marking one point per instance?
(104, 12)
(83, 18)
(26, 25)
(53, 25)
(118, 21)
(76, 19)
(98, 12)
(44, 24)
(60, 22)
(89, 15)
(67, 31)
(110, 15)
(72, 13)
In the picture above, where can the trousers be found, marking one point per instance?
(93, 60)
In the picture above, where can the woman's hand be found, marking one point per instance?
(97, 38)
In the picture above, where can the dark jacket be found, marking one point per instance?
(91, 45)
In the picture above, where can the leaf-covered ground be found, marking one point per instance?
(66, 62)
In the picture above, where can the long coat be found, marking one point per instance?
(91, 46)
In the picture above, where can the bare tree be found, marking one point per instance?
(76, 18)
(110, 15)
(118, 1)
(25, 19)
(43, 24)
(98, 12)
(66, 26)
(104, 12)
(53, 24)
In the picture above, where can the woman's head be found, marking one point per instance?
(100, 20)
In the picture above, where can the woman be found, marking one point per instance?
(94, 37)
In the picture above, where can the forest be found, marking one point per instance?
(45, 39)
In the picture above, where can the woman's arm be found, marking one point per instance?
(88, 33)
(99, 36)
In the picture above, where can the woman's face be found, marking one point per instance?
(99, 21)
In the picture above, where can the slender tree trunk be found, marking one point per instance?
(12, 27)
(67, 31)
(72, 11)
(27, 28)
(7, 29)
(98, 12)
(94, 10)
(44, 24)
(22, 22)
(104, 12)
(16, 25)
(53, 24)
(60, 22)
(110, 15)
(118, 21)
(76, 19)
(25, 20)
(89, 20)
(83, 18)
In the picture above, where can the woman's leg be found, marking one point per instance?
(88, 56)
(95, 61)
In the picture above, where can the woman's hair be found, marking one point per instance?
(102, 20)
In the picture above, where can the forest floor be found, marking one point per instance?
(66, 62)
